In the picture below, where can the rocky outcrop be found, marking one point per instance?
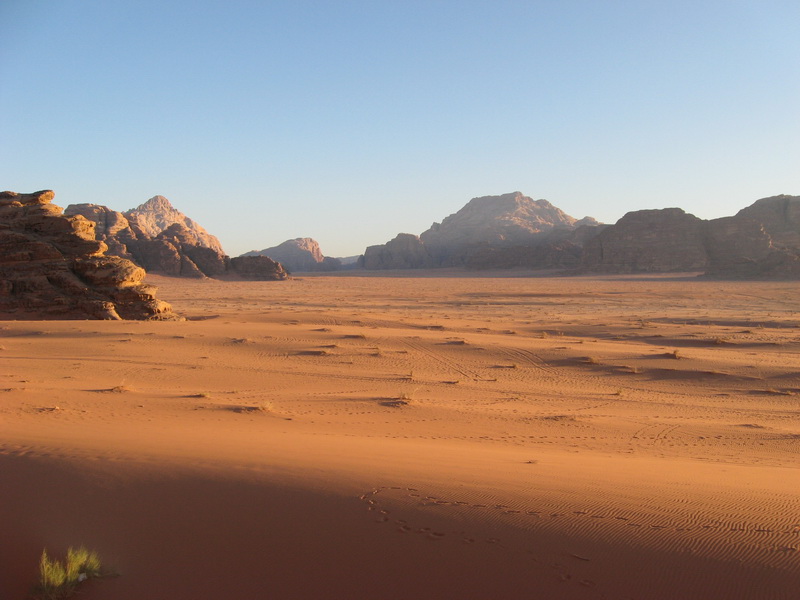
(299, 255)
(761, 241)
(648, 241)
(507, 220)
(406, 251)
(157, 214)
(181, 249)
(257, 268)
(53, 267)
(511, 230)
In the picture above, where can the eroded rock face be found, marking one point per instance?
(298, 255)
(182, 248)
(52, 267)
(648, 241)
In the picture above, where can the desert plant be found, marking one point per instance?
(60, 579)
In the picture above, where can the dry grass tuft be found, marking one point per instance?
(60, 579)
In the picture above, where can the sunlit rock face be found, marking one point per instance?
(53, 267)
(163, 240)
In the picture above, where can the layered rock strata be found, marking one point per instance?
(53, 267)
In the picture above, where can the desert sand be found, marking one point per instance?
(441, 436)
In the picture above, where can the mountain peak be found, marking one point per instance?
(159, 203)
(158, 214)
(506, 219)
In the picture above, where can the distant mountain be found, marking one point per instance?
(761, 241)
(157, 214)
(298, 255)
(484, 233)
(159, 238)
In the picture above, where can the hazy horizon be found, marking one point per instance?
(267, 122)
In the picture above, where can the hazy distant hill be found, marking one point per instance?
(484, 233)
(299, 254)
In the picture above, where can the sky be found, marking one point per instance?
(352, 121)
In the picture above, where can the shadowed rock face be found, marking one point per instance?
(648, 241)
(182, 248)
(299, 254)
(406, 251)
(761, 241)
(52, 267)
(257, 268)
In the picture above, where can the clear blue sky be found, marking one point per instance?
(352, 121)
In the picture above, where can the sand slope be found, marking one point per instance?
(434, 437)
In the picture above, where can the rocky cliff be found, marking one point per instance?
(298, 255)
(53, 267)
(406, 251)
(761, 241)
(510, 230)
(648, 241)
(182, 248)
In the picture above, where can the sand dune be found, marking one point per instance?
(397, 437)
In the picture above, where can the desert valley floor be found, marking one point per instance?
(347, 437)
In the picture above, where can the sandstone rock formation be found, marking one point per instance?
(52, 267)
(510, 219)
(761, 241)
(647, 241)
(406, 251)
(256, 268)
(298, 255)
(511, 230)
(181, 249)
(157, 214)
